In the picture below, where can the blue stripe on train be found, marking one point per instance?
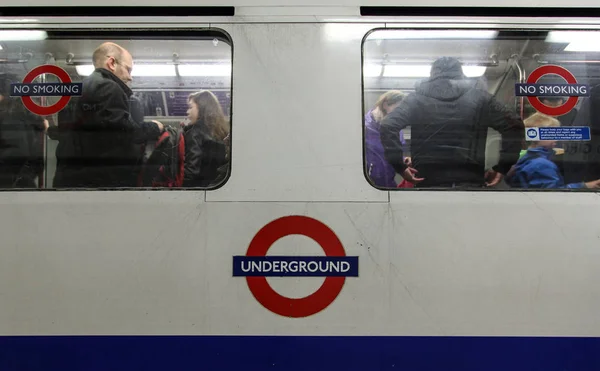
(290, 353)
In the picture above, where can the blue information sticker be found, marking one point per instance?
(572, 133)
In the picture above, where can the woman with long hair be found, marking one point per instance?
(206, 141)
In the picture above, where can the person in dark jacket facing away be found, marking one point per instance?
(105, 134)
(21, 141)
(449, 118)
(206, 151)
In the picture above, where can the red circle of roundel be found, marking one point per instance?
(56, 107)
(317, 301)
(537, 103)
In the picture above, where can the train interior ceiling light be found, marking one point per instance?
(577, 41)
(168, 70)
(22, 35)
(416, 71)
(444, 34)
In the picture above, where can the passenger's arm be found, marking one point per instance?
(511, 127)
(193, 160)
(57, 132)
(549, 178)
(592, 184)
(391, 125)
(115, 115)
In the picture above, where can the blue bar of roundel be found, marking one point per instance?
(351, 260)
(298, 353)
(540, 90)
(16, 89)
(568, 133)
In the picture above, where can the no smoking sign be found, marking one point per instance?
(64, 89)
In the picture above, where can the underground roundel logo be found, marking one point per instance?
(64, 89)
(533, 91)
(335, 266)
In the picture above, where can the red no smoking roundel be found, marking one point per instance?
(46, 110)
(537, 103)
(320, 299)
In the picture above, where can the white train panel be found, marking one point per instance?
(429, 265)
(306, 151)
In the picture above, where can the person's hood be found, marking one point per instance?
(447, 81)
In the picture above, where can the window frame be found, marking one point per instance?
(122, 32)
(455, 25)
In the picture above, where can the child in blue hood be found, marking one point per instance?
(535, 168)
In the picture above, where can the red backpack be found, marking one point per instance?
(405, 184)
(165, 165)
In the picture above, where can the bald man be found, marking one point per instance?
(106, 138)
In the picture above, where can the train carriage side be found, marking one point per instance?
(438, 278)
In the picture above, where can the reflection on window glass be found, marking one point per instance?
(482, 109)
(114, 110)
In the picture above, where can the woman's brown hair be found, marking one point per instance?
(211, 114)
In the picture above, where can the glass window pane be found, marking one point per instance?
(482, 109)
(124, 109)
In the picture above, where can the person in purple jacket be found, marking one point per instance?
(379, 170)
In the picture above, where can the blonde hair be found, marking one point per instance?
(539, 120)
(390, 97)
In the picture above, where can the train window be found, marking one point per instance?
(114, 109)
(481, 109)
